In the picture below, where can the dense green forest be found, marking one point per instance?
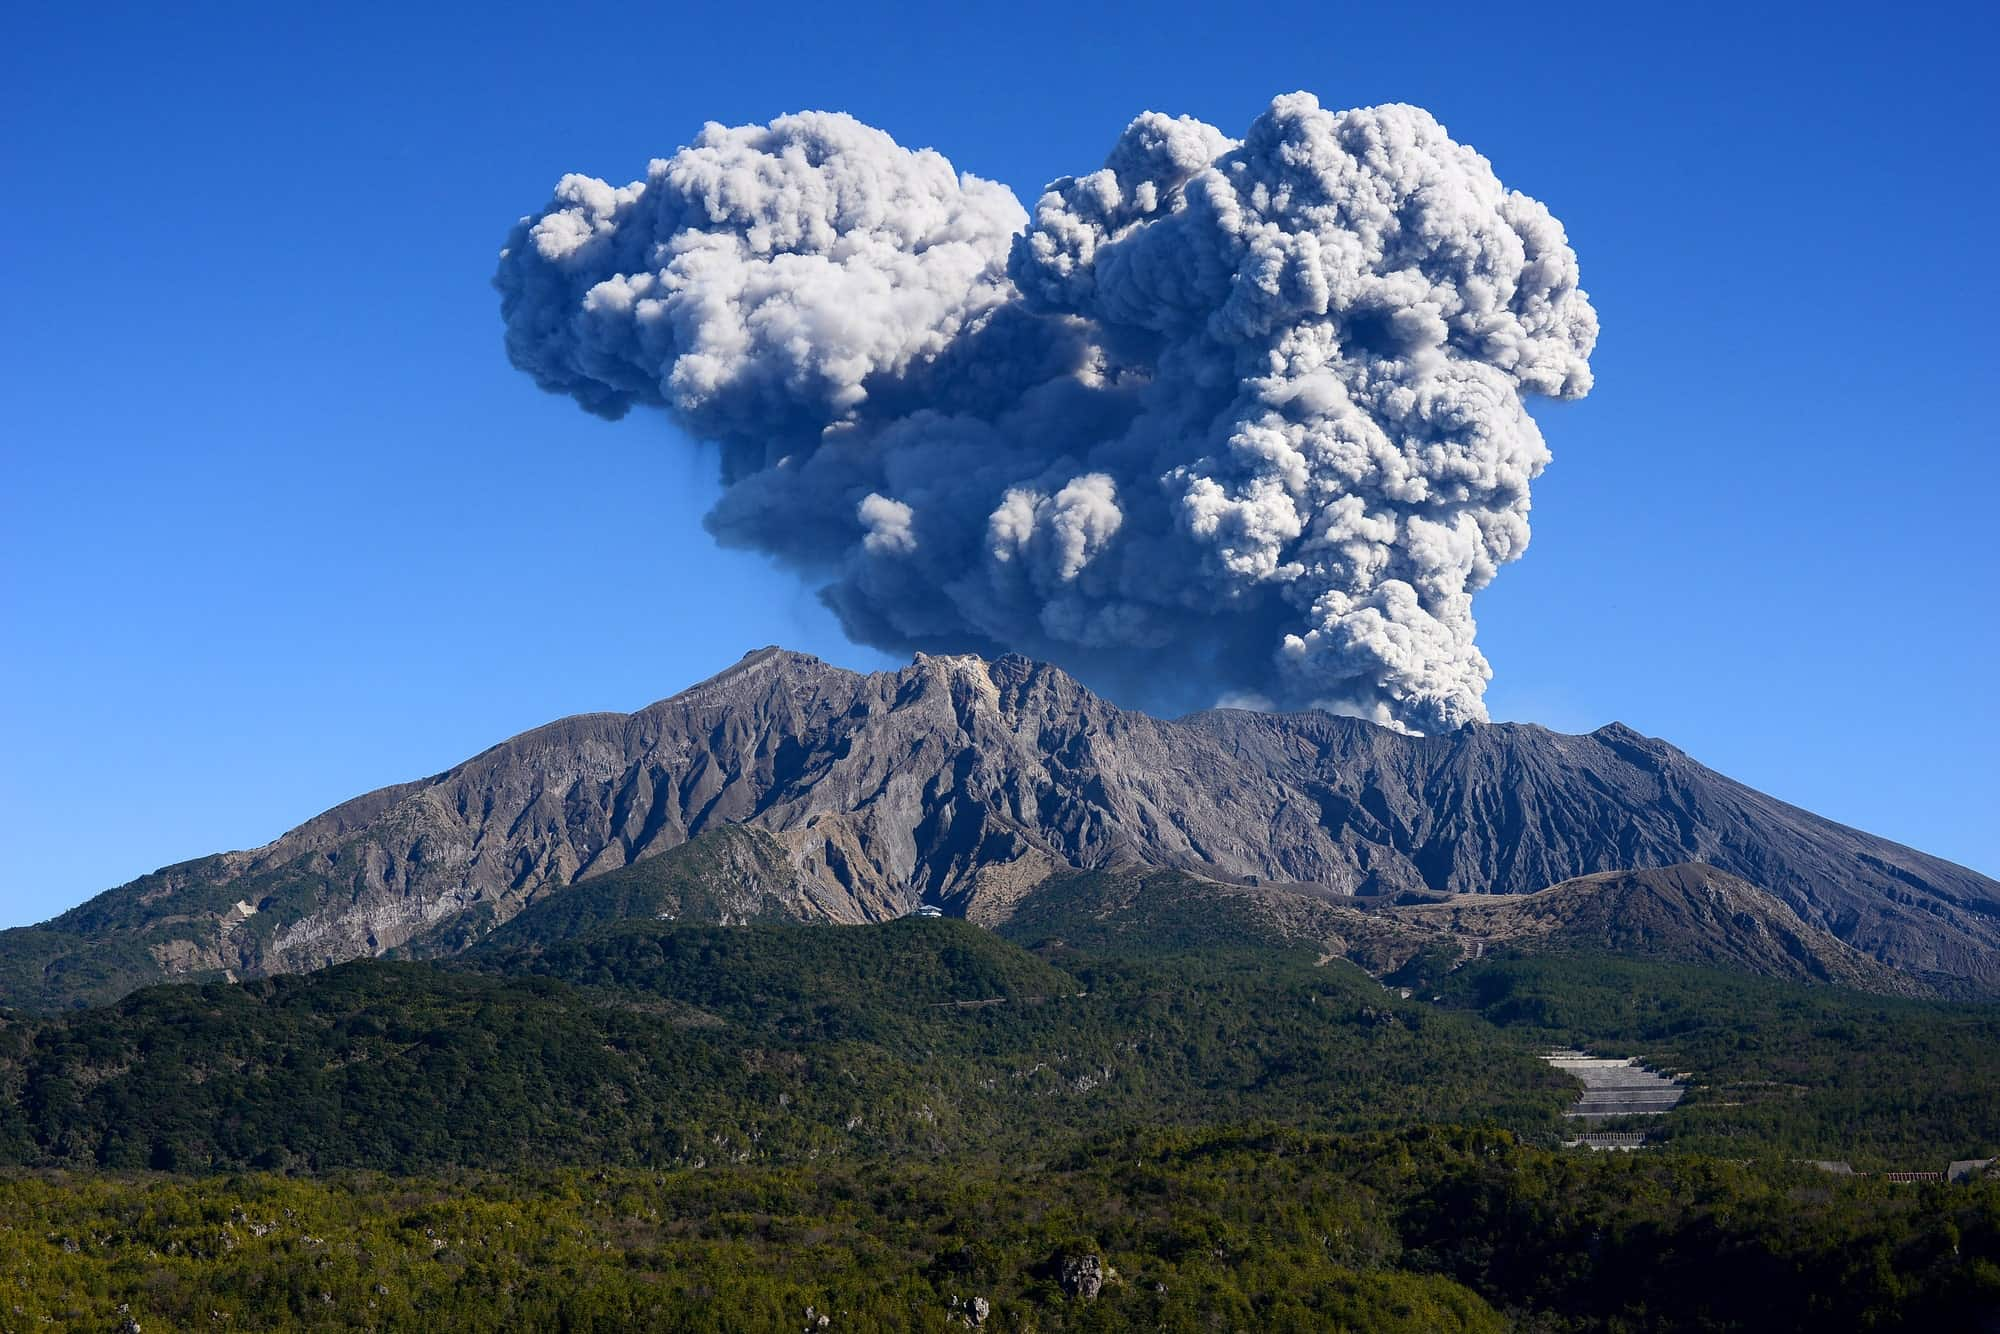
(1818, 1072)
(630, 1124)
(1419, 1230)
(661, 1045)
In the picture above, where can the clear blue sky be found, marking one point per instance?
(279, 524)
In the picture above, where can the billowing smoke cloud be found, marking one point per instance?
(1222, 419)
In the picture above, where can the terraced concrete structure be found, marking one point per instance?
(1608, 1142)
(1613, 1087)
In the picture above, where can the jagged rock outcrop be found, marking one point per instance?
(1081, 1276)
(964, 783)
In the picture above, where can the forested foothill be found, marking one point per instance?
(925, 1125)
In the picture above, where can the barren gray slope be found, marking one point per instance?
(965, 782)
(1685, 914)
(1690, 914)
(1511, 808)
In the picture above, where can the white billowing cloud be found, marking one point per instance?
(1058, 534)
(888, 525)
(759, 276)
(1221, 419)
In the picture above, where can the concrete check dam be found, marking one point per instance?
(1613, 1087)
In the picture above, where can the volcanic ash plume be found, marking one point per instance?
(1221, 420)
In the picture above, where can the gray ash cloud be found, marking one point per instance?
(1223, 420)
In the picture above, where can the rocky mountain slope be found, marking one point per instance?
(1690, 913)
(1679, 914)
(964, 783)
(730, 875)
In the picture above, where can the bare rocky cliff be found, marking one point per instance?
(964, 783)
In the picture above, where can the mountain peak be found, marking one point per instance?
(757, 662)
(963, 782)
